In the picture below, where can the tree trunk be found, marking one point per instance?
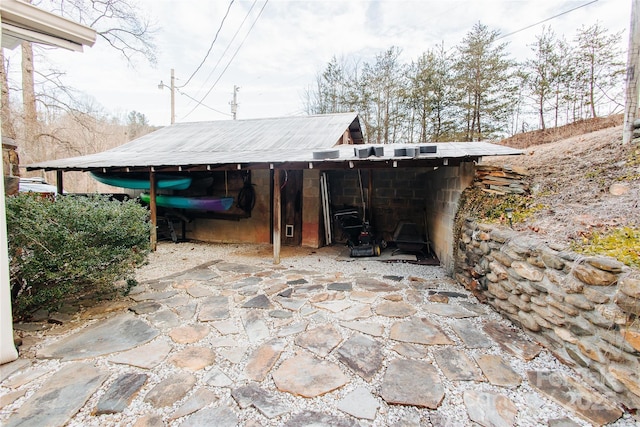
(592, 89)
(557, 106)
(28, 94)
(541, 111)
(8, 129)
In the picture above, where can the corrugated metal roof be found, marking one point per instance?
(259, 141)
(202, 142)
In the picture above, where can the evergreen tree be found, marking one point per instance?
(384, 81)
(600, 60)
(539, 75)
(562, 74)
(331, 93)
(484, 74)
(430, 98)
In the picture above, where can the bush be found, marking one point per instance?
(70, 246)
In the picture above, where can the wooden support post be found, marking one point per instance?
(633, 73)
(153, 211)
(277, 214)
(59, 182)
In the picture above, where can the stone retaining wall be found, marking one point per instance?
(585, 310)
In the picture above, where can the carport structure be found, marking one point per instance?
(287, 161)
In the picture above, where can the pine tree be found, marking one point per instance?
(600, 60)
(384, 81)
(484, 74)
(430, 98)
(539, 71)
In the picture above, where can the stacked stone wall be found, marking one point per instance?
(586, 310)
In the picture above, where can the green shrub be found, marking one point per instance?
(71, 246)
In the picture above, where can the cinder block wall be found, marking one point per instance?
(398, 195)
(409, 194)
(246, 230)
(445, 186)
(586, 310)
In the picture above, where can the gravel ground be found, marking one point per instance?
(533, 409)
(173, 258)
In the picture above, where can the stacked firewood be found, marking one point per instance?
(502, 180)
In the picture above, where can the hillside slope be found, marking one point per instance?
(585, 183)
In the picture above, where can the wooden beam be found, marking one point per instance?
(59, 182)
(153, 211)
(385, 163)
(277, 209)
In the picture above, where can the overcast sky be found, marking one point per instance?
(291, 41)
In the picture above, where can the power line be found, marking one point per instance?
(545, 20)
(199, 103)
(211, 45)
(215, 67)
(230, 60)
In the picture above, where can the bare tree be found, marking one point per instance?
(121, 23)
(6, 117)
(30, 118)
(45, 95)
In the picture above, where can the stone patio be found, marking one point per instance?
(256, 344)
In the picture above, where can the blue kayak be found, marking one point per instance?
(167, 182)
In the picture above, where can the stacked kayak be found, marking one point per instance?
(204, 203)
(165, 182)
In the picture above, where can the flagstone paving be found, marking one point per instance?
(255, 344)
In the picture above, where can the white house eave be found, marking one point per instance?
(21, 20)
(12, 36)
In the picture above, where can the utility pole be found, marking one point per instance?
(173, 95)
(633, 74)
(234, 103)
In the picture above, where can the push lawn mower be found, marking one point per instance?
(359, 234)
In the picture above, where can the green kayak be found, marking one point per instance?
(204, 203)
(137, 182)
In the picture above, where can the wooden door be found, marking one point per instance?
(291, 208)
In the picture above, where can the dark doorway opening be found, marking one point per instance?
(291, 194)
